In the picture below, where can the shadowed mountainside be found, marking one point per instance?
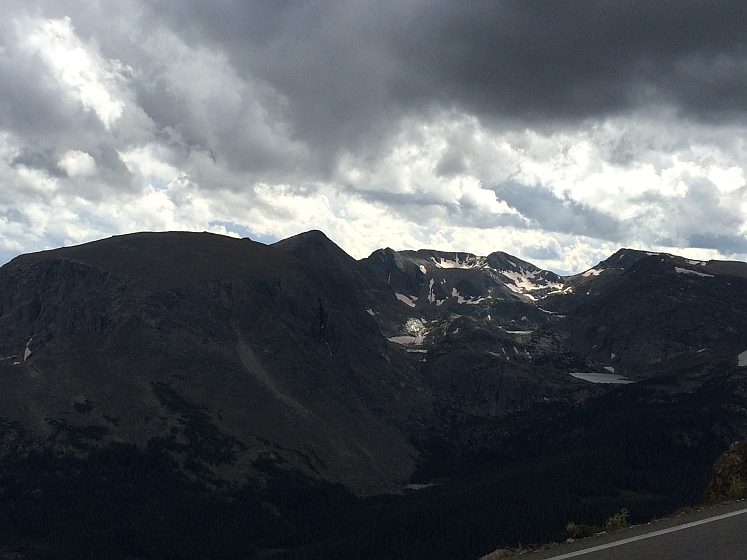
(286, 395)
(128, 333)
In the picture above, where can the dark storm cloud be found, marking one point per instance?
(576, 59)
(347, 66)
(29, 105)
(45, 159)
(562, 215)
(340, 73)
(723, 243)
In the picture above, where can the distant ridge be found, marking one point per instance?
(310, 405)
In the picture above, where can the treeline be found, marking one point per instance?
(635, 447)
(123, 501)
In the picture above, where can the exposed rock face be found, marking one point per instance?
(729, 475)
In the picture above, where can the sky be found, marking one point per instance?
(554, 130)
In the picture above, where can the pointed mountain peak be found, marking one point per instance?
(314, 247)
(503, 261)
(311, 237)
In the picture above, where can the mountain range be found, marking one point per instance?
(350, 405)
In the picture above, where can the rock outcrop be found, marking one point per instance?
(729, 480)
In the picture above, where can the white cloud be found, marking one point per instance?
(191, 138)
(727, 180)
(78, 67)
(77, 163)
(33, 183)
(148, 161)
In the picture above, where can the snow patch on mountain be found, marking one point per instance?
(462, 299)
(415, 326)
(514, 288)
(469, 262)
(415, 333)
(592, 272)
(27, 351)
(567, 290)
(527, 281)
(406, 340)
(679, 270)
(742, 359)
(406, 300)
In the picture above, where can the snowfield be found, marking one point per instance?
(525, 281)
(406, 300)
(679, 270)
(478, 262)
(407, 340)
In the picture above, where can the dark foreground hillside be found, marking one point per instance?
(122, 501)
(193, 396)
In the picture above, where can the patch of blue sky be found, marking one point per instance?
(158, 183)
(6, 255)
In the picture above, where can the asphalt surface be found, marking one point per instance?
(714, 534)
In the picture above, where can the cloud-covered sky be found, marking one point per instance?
(555, 130)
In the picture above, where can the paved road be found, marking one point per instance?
(716, 534)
